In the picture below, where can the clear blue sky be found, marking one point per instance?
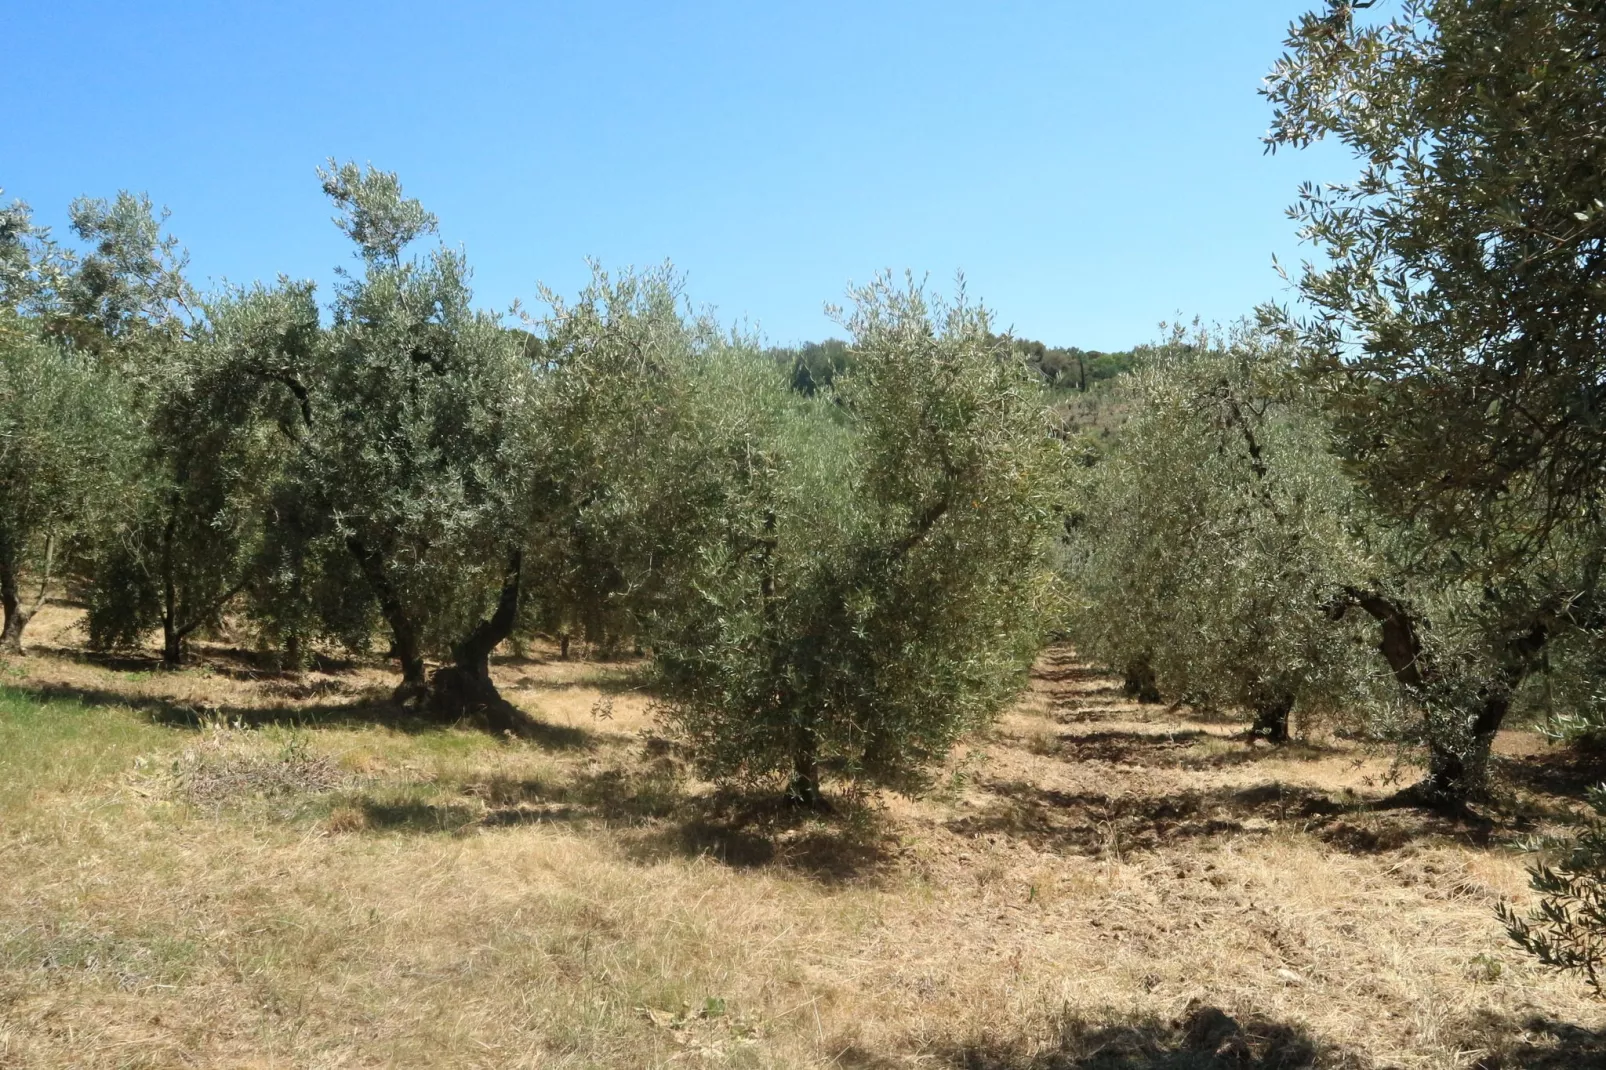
(1093, 168)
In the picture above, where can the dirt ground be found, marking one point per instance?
(235, 867)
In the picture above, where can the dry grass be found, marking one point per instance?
(1096, 885)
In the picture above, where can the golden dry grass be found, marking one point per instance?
(1092, 881)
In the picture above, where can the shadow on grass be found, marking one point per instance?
(114, 661)
(365, 710)
(1097, 824)
(1535, 1042)
(607, 682)
(235, 663)
(1127, 747)
(1178, 749)
(752, 829)
(1560, 771)
(740, 829)
(1205, 1038)
(416, 816)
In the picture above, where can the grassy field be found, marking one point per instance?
(224, 867)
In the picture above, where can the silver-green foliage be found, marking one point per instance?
(1567, 929)
(64, 442)
(1207, 538)
(622, 488)
(410, 435)
(876, 584)
(189, 521)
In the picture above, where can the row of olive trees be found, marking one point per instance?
(1222, 551)
(1210, 533)
(1418, 447)
(832, 581)
(1458, 316)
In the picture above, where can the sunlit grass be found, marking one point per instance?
(60, 744)
(284, 891)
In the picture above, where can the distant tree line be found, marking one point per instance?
(814, 366)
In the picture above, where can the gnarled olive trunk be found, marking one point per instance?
(1457, 760)
(17, 615)
(406, 645)
(1456, 767)
(1271, 718)
(804, 787)
(464, 688)
(1140, 682)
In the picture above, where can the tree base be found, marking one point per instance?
(1430, 793)
(1274, 732)
(805, 795)
(455, 693)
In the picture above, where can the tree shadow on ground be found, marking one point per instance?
(1085, 712)
(235, 663)
(365, 709)
(1205, 1038)
(750, 829)
(1099, 824)
(1067, 671)
(1567, 772)
(1536, 1042)
(421, 817)
(113, 661)
(658, 820)
(1179, 749)
(615, 683)
(609, 796)
(1128, 747)
(414, 816)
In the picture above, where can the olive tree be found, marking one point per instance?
(622, 489)
(1455, 319)
(876, 586)
(167, 550)
(64, 439)
(1456, 306)
(407, 420)
(103, 421)
(61, 432)
(1208, 538)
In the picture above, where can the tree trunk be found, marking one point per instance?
(172, 640)
(15, 618)
(563, 647)
(405, 645)
(411, 656)
(804, 788)
(465, 688)
(1271, 718)
(1456, 768)
(1140, 682)
(172, 644)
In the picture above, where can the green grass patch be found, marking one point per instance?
(61, 744)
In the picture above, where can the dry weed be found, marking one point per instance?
(1106, 887)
